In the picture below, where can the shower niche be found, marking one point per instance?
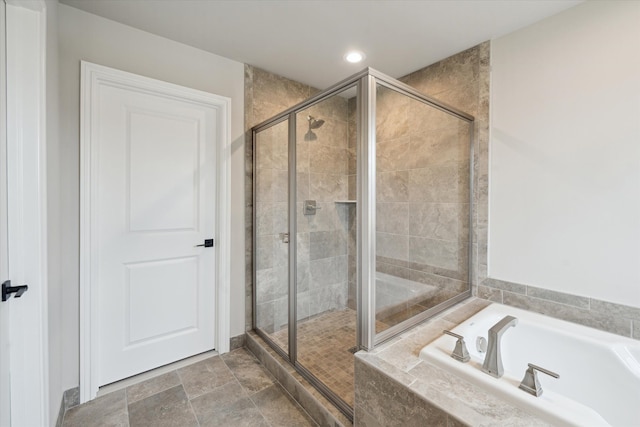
(362, 205)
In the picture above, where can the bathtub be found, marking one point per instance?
(599, 382)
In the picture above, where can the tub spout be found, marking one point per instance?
(493, 360)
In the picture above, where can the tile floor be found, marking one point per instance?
(325, 344)
(229, 390)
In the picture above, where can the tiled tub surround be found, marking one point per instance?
(394, 387)
(605, 316)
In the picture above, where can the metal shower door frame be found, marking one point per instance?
(366, 82)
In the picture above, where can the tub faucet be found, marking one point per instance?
(493, 360)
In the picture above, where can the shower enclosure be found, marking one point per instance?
(362, 206)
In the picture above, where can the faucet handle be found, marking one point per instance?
(530, 382)
(460, 352)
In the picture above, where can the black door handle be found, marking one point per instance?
(7, 290)
(208, 243)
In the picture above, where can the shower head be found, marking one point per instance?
(310, 136)
(313, 123)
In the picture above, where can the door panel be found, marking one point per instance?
(326, 237)
(171, 312)
(271, 233)
(162, 193)
(155, 203)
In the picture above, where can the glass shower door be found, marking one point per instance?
(326, 258)
(422, 207)
(374, 185)
(271, 223)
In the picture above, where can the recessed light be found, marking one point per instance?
(354, 56)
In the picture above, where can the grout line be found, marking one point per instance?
(237, 379)
(250, 397)
(127, 409)
(192, 410)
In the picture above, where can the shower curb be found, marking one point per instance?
(316, 405)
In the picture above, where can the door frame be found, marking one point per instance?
(26, 214)
(93, 75)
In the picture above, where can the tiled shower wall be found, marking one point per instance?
(422, 158)
(321, 176)
(265, 96)
(463, 82)
(460, 81)
(322, 237)
(272, 268)
(422, 194)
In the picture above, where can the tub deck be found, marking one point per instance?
(424, 394)
(599, 383)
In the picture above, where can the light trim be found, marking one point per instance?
(354, 56)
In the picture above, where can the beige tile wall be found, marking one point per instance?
(422, 189)
(266, 95)
(321, 176)
(463, 82)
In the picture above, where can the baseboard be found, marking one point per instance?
(237, 342)
(70, 398)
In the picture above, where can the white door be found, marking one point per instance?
(5, 384)
(154, 193)
(24, 391)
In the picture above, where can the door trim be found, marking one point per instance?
(26, 69)
(93, 75)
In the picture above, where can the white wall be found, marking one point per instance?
(83, 36)
(565, 153)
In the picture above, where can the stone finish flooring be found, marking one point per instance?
(229, 390)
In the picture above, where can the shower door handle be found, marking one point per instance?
(284, 237)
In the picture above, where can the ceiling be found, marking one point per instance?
(305, 40)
